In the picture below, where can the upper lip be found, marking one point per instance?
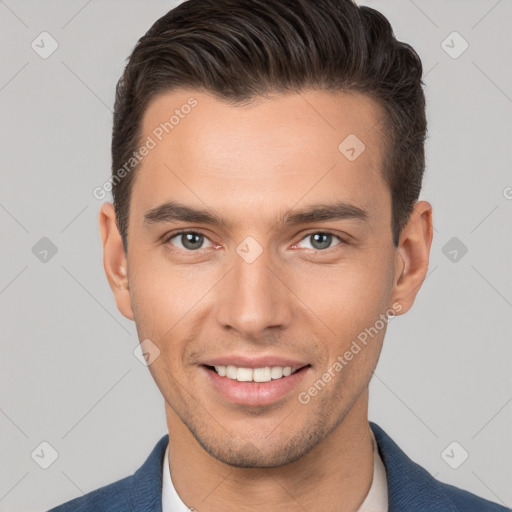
(245, 361)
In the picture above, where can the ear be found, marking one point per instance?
(412, 256)
(114, 259)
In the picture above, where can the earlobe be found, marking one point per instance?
(114, 259)
(412, 255)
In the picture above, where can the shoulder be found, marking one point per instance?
(468, 502)
(115, 494)
(411, 488)
(140, 491)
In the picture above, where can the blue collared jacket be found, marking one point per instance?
(410, 487)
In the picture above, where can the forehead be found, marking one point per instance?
(271, 154)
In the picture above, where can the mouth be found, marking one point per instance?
(255, 386)
(264, 374)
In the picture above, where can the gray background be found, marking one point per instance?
(68, 373)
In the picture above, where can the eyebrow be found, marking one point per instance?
(174, 211)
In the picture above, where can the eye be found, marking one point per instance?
(187, 240)
(321, 240)
(190, 241)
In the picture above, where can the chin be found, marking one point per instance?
(261, 452)
(250, 456)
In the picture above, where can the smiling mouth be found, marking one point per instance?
(264, 374)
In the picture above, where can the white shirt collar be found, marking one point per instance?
(171, 502)
(376, 500)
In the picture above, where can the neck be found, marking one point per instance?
(335, 475)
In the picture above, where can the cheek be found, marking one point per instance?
(348, 302)
(347, 297)
(168, 302)
(163, 293)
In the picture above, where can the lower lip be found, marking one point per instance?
(255, 393)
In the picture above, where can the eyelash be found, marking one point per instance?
(170, 236)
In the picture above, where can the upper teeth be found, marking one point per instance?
(255, 374)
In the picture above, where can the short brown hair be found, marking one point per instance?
(237, 49)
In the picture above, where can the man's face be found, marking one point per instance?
(257, 291)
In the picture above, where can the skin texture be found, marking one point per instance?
(250, 164)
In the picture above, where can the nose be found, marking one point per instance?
(254, 298)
